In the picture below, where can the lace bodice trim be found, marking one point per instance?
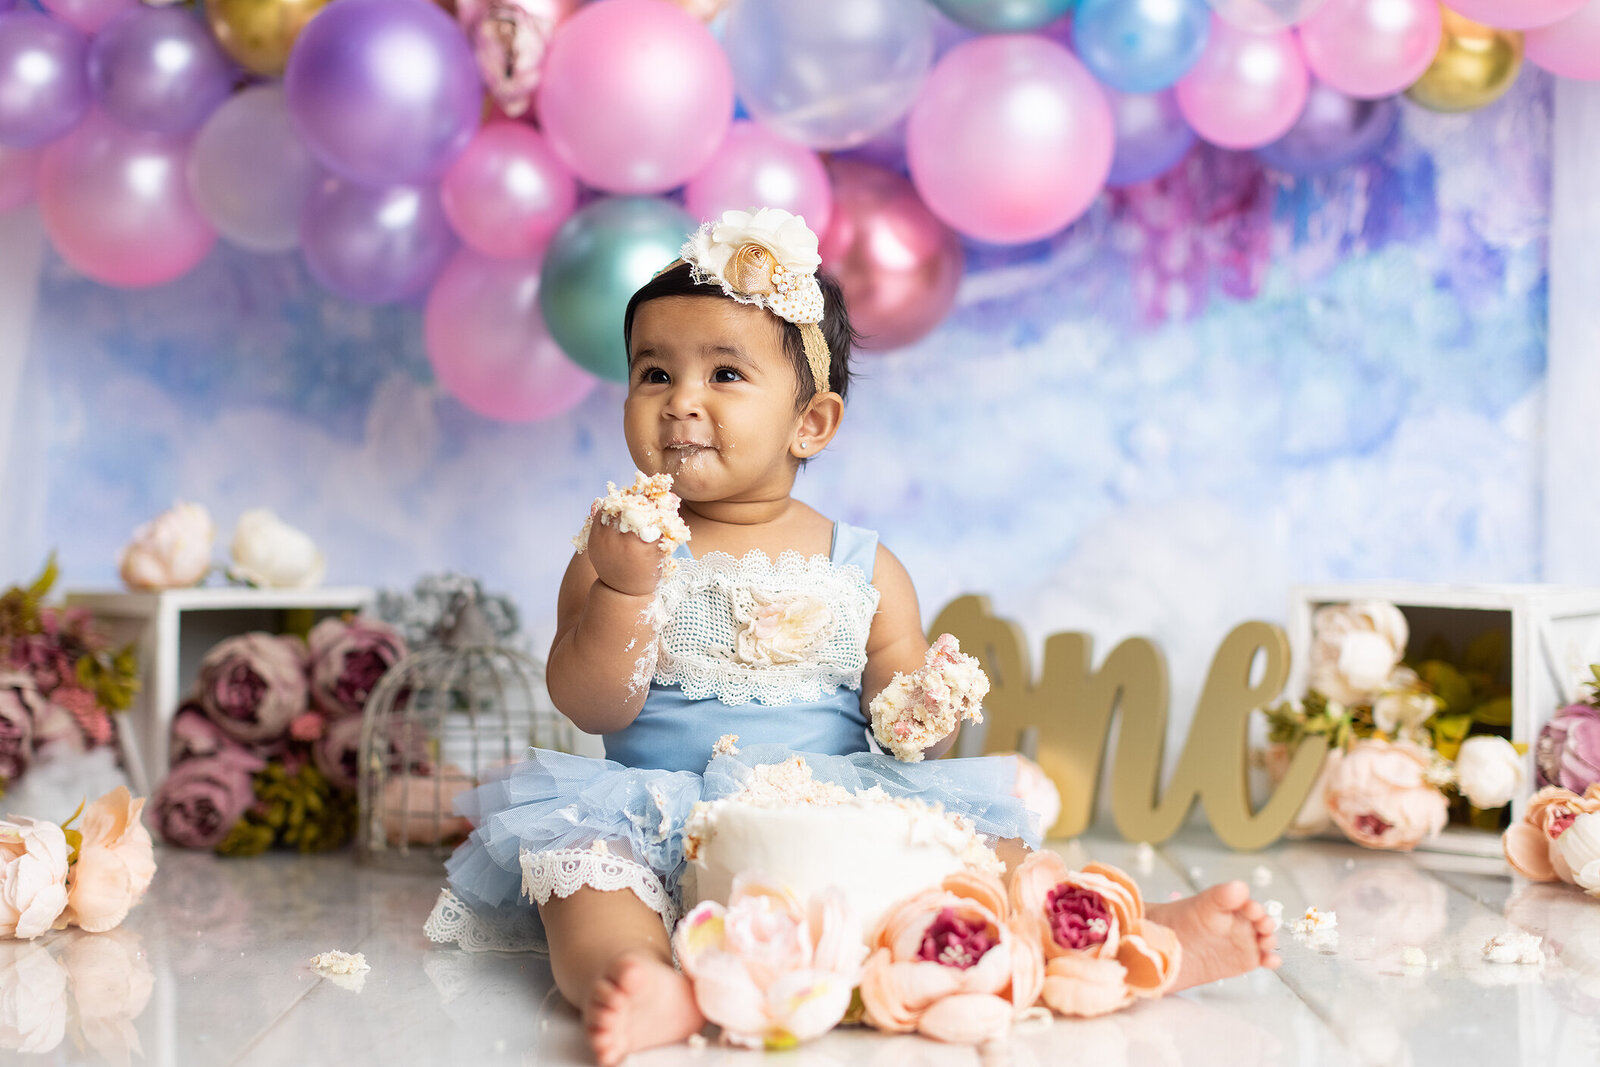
(755, 630)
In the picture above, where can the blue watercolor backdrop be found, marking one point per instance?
(1204, 391)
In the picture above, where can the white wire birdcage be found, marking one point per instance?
(438, 723)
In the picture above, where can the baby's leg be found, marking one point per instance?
(1223, 933)
(612, 961)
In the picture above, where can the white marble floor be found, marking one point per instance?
(212, 969)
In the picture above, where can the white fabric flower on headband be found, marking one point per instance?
(767, 258)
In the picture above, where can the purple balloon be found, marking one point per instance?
(44, 89)
(18, 168)
(383, 91)
(375, 245)
(1152, 136)
(7, 5)
(1332, 131)
(158, 68)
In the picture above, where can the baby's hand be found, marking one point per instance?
(630, 532)
(624, 561)
(920, 709)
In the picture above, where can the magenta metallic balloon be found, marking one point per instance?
(383, 92)
(507, 193)
(159, 68)
(87, 15)
(19, 168)
(374, 245)
(44, 86)
(758, 168)
(116, 204)
(489, 345)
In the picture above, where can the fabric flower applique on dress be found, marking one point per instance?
(775, 630)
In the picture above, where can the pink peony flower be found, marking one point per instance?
(1100, 952)
(1379, 797)
(952, 963)
(115, 863)
(195, 736)
(252, 685)
(337, 753)
(33, 876)
(1568, 750)
(21, 707)
(1530, 845)
(766, 970)
(201, 799)
(347, 659)
(171, 551)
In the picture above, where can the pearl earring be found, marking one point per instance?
(802, 446)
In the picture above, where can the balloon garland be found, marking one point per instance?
(409, 152)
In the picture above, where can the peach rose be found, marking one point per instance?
(1530, 845)
(1100, 952)
(952, 963)
(171, 551)
(33, 876)
(115, 863)
(766, 970)
(1379, 797)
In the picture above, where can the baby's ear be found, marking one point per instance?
(818, 423)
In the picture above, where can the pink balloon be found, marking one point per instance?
(1516, 14)
(117, 206)
(1371, 48)
(1011, 138)
(488, 344)
(18, 170)
(758, 168)
(1571, 47)
(506, 194)
(636, 95)
(1247, 89)
(898, 265)
(87, 15)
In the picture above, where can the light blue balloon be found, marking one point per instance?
(828, 73)
(1140, 46)
(595, 263)
(1004, 16)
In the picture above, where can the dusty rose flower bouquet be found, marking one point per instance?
(1414, 743)
(264, 751)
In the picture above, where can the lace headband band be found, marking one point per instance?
(769, 259)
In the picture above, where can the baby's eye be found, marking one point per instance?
(726, 374)
(653, 376)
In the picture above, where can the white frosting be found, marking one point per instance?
(920, 709)
(648, 508)
(807, 835)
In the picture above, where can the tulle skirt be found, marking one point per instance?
(556, 802)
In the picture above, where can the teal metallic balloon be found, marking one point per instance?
(1004, 16)
(601, 255)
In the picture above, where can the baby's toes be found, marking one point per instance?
(1253, 911)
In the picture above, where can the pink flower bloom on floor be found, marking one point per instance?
(1100, 952)
(1378, 795)
(253, 684)
(1530, 845)
(347, 659)
(115, 863)
(33, 876)
(1568, 750)
(952, 963)
(766, 970)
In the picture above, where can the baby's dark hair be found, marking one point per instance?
(678, 280)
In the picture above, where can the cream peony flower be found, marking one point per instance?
(1489, 771)
(778, 630)
(274, 555)
(786, 236)
(1579, 846)
(1403, 705)
(1355, 648)
(115, 863)
(171, 551)
(1379, 796)
(33, 876)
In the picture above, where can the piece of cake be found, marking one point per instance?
(648, 508)
(919, 709)
(788, 828)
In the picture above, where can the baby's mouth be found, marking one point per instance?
(681, 452)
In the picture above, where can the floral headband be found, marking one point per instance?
(768, 259)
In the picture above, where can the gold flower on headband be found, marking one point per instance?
(767, 258)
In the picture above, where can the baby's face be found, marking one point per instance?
(711, 399)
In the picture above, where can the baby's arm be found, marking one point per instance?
(895, 644)
(604, 648)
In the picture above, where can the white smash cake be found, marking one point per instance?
(648, 508)
(786, 827)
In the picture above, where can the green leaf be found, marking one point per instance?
(1448, 733)
(47, 578)
(1496, 712)
(1447, 684)
(1486, 653)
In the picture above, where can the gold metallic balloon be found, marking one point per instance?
(1474, 66)
(259, 33)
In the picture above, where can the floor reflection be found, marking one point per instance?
(86, 989)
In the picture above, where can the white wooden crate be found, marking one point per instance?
(173, 631)
(1552, 631)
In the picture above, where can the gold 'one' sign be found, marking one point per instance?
(1071, 704)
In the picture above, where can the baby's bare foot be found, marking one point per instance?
(640, 1003)
(1223, 933)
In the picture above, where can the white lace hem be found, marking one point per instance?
(561, 872)
(453, 922)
